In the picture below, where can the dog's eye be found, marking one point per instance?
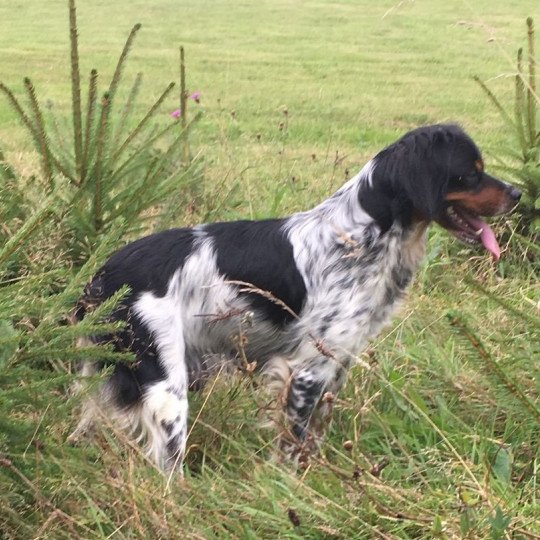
(459, 180)
(465, 181)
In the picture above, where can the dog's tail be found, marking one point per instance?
(91, 298)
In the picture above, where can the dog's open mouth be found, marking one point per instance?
(470, 228)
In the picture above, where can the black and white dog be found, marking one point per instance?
(298, 296)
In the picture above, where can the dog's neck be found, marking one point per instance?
(358, 205)
(377, 195)
(342, 209)
(342, 220)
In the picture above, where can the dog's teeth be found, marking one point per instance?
(479, 232)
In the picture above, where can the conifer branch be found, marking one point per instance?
(531, 89)
(128, 106)
(457, 322)
(120, 64)
(40, 131)
(519, 103)
(75, 90)
(143, 122)
(98, 173)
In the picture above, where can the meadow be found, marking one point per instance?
(436, 433)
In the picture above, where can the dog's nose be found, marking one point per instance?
(515, 194)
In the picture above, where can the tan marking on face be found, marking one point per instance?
(489, 201)
(479, 165)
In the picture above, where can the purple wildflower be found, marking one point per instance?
(196, 97)
(177, 113)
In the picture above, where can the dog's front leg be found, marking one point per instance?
(309, 405)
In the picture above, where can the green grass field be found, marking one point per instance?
(441, 415)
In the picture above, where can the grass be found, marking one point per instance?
(430, 438)
(344, 70)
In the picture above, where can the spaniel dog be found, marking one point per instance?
(295, 298)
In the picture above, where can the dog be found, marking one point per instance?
(294, 298)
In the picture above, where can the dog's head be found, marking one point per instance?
(436, 173)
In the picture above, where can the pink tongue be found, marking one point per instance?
(487, 236)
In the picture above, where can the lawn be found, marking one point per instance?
(436, 432)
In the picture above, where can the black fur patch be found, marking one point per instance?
(130, 380)
(259, 253)
(148, 263)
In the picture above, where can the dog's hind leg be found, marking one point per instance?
(164, 415)
(164, 410)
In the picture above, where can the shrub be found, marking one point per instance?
(59, 228)
(522, 121)
(106, 170)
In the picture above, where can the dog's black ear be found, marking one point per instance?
(426, 180)
(418, 167)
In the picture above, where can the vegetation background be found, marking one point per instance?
(436, 434)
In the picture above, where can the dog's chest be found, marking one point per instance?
(354, 293)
